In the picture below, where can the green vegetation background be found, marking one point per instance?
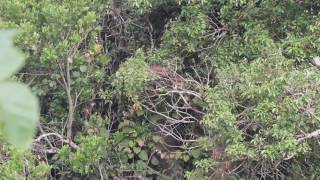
(165, 89)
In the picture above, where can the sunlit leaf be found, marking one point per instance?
(19, 112)
(10, 59)
(143, 155)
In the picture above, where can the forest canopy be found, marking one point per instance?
(161, 89)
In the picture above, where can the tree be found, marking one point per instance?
(211, 89)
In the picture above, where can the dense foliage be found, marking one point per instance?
(169, 89)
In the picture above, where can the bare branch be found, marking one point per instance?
(61, 138)
(314, 134)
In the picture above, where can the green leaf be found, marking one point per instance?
(136, 150)
(83, 68)
(10, 59)
(104, 59)
(130, 155)
(155, 161)
(195, 153)
(140, 112)
(131, 143)
(185, 158)
(19, 113)
(143, 155)
(156, 138)
(141, 165)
